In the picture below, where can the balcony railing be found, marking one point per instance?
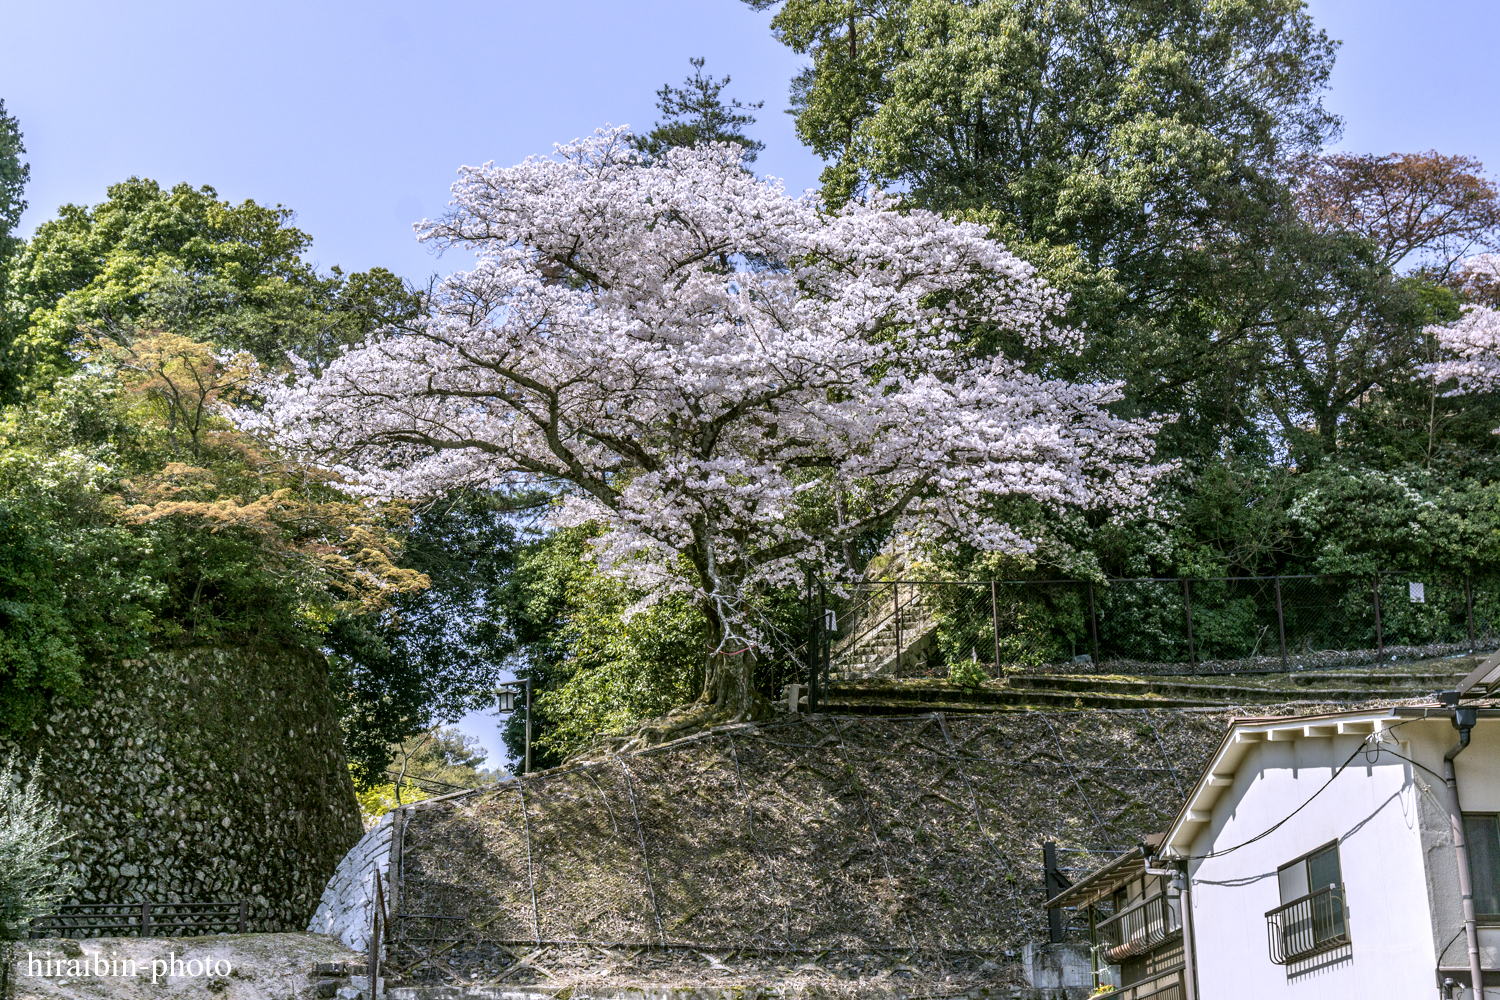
(1316, 923)
(1139, 928)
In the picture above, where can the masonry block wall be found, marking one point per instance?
(202, 774)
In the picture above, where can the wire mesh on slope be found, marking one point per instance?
(916, 835)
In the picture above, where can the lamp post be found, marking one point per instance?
(507, 694)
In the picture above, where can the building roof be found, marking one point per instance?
(1245, 732)
(1128, 866)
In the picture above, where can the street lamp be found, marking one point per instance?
(507, 694)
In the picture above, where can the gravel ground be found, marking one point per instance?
(278, 967)
(243, 967)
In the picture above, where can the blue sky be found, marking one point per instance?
(357, 115)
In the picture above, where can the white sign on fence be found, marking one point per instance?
(1417, 592)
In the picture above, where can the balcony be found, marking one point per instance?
(1316, 923)
(1137, 929)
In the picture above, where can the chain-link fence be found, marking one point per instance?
(817, 834)
(1215, 625)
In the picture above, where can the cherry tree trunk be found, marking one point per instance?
(730, 687)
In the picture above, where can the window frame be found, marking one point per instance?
(1494, 817)
(1335, 843)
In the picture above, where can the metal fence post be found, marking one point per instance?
(995, 619)
(377, 927)
(145, 919)
(243, 908)
(1187, 603)
(528, 730)
(1469, 609)
(827, 657)
(820, 640)
(1055, 883)
(812, 643)
(1280, 624)
(896, 590)
(1379, 636)
(1093, 630)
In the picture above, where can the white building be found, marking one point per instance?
(1321, 861)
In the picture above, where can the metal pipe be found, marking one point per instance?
(1093, 626)
(1094, 943)
(1469, 608)
(896, 611)
(819, 641)
(1280, 623)
(1189, 957)
(1463, 721)
(1187, 603)
(528, 725)
(1379, 635)
(812, 645)
(995, 621)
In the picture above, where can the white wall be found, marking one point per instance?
(1478, 773)
(1372, 810)
(347, 908)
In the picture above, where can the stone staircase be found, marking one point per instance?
(892, 633)
(1021, 692)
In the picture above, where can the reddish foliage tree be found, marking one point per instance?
(1437, 209)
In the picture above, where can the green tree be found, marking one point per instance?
(432, 655)
(598, 662)
(185, 261)
(1132, 151)
(13, 176)
(695, 112)
(1093, 122)
(32, 876)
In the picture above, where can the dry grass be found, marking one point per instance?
(808, 842)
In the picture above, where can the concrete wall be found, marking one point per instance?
(348, 903)
(1478, 773)
(202, 774)
(1373, 810)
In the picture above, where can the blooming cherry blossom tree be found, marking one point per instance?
(1475, 336)
(694, 358)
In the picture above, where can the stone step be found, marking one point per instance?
(1390, 686)
(840, 703)
(895, 698)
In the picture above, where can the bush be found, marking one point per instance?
(32, 876)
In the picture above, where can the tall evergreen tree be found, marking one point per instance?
(696, 112)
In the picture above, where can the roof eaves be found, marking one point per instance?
(1196, 808)
(1102, 882)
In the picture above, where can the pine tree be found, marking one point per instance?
(695, 112)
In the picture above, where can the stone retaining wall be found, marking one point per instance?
(202, 774)
(348, 902)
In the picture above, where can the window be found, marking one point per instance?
(1315, 871)
(1311, 918)
(1482, 838)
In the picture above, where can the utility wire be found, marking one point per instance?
(1364, 747)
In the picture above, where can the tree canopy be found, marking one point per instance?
(689, 404)
(696, 112)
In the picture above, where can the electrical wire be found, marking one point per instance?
(1364, 747)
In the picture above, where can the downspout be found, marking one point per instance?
(1179, 884)
(1463, 721)
(1189, 951)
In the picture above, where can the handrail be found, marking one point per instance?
(1139, 927)
(1308, 925)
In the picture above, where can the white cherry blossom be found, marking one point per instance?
(695, 359)
(1474, 337)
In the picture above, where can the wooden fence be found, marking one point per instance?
(142, 920)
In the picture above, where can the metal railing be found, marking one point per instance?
(1137, 929)
(142, 919)
(1316, 923)
(1159, 625)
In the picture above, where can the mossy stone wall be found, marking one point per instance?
(202, 774)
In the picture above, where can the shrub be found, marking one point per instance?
(32, 876)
